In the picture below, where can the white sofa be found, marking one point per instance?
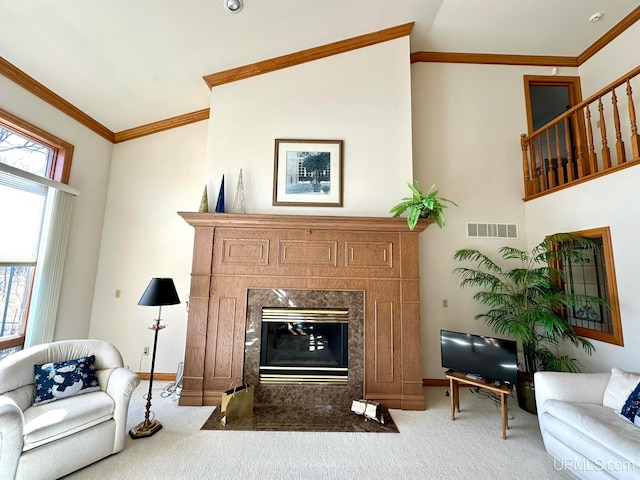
(584, 436)
(51, 440)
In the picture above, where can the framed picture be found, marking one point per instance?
(308, 173)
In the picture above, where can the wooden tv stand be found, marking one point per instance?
(456, 378)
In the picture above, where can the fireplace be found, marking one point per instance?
(246, 264)
(304, 346)
(337, 384)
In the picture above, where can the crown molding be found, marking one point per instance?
(30, 84)
(494, 59)
(161, 125)
(604, 40)
(530, 60)
(309, 55)
(17, 76)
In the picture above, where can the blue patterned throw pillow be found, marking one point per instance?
(65, 379)
(631, 408)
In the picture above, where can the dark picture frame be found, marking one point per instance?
(308, 173)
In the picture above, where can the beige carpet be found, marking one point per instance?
(429, 446)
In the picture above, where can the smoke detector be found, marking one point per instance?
(596, 17)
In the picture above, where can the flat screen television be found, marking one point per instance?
(489, 357)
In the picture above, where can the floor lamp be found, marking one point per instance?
(159, 292)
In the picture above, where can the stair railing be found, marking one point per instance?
(566, 151)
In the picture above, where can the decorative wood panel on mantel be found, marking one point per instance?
(234, 253)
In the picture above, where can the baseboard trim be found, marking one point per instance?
(435, 382)
(165, 377)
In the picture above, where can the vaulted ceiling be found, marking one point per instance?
(128, 63)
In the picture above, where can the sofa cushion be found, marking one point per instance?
(620, 386)
(582, 456)
(48, 422)
(631, 409)
(601, 424)
(65, 379)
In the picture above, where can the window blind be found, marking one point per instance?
(22, 204)
(37, 212)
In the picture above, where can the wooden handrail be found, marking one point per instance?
(595, 96)
(571, 138)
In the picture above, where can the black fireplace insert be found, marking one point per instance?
(304, 346)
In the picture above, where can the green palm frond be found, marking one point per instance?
(514, 253)
(483, 261)
(525, 301)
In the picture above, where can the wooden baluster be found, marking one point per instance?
(567, 140)
(593, 158)
(535, 171)
(528, 187)
(535, 184)
(621, 155)
(542, 175)
(579, 157)
(550, 170)
(635, 138)
(606, 154)
(559, 167)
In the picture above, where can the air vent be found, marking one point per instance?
(492, 230)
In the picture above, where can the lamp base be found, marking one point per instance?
(141, 430)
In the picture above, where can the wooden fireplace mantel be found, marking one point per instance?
(237, 252)
(374, 224)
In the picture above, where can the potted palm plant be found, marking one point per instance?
(422, 205)
(527, 301)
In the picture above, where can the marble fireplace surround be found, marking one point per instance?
(375, 257)
(305, 395)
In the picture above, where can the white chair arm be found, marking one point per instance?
(122, 383)
(11, 436)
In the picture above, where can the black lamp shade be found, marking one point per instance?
(160, 291)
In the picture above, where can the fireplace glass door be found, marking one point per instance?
(304, 346)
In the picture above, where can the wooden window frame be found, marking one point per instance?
(62, 152)
(615, 337)
(59, 169)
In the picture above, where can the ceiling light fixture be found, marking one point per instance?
(596, 17)
(233, 6)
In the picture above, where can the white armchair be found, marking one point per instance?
(50, 440)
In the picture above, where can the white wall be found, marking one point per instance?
(152, 178)
(362, 97)
(89, 174)
(613, 61)
(613, 200)
(617, 58)
(467, 121)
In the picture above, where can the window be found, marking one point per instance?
(21, 221)
(29, 138)
(595, 275)
(29, 149)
